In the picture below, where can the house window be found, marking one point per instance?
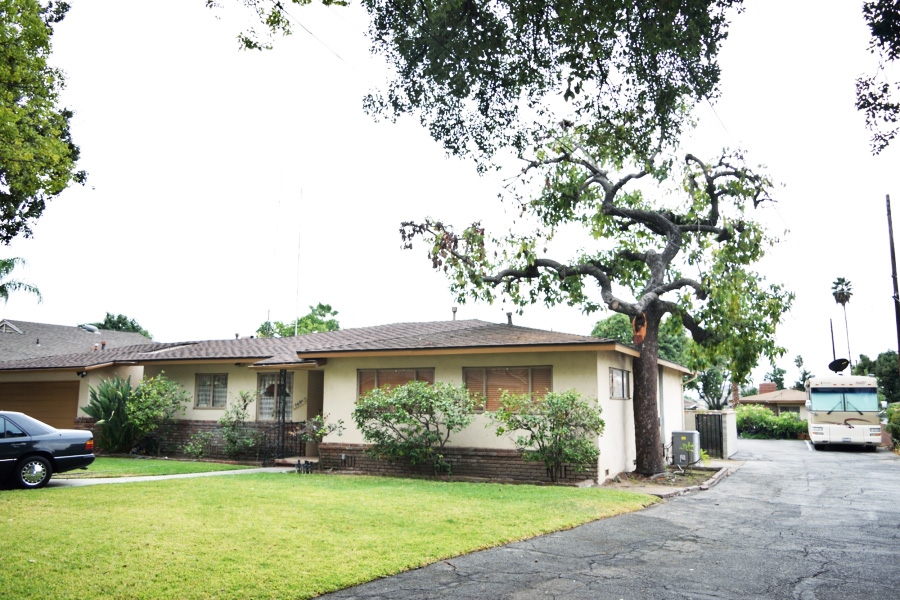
(267, 394)
(211, 390)
(788, 409)
(489, 383)
(618, 384)
(369, 379)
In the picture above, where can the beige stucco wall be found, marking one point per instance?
(570, 370)
(239, 378)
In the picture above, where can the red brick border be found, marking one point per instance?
(467, 463)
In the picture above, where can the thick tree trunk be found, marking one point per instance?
(650, 459)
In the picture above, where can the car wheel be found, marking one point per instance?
(33, 472)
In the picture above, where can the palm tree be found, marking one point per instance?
(840, 289)
(12, 285)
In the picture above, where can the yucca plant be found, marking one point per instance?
(108, 406)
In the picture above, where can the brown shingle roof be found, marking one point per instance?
(777, 397)
(23, 339)
(434, 336)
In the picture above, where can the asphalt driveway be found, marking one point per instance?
(791, 523)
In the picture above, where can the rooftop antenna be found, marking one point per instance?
(297, 293)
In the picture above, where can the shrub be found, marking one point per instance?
(759, 422)
(892, 413)
(239, 439)
(560, 429)
(108, 406)
(414, 421)
(316, 428)
(198, 446)
(151, 409)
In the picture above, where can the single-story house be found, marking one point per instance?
(325, 373)
(779, 401)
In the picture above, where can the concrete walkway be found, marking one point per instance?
(54, 482)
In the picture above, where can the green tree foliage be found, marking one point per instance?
(320, 318)
(8, 286)
(758, 422)
(479, 75)
(776, 376)
(37, 155)
(108, 406)
(560, 429)
(152, 409)
(892, 414)
(800, 384)
(673, 341)
(121, 323)
(685, 250)
(414, 421)
(874, 92)
(713, 387)
(885, 370)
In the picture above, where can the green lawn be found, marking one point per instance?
(136, 467)
(266, 535)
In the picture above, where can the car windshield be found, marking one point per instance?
(843, 399)
(30, 425)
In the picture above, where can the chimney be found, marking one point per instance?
(103, 345)
(454, 312)
(509, 318)
(767, 386)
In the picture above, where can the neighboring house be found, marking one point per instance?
(54, 398)
(325, 373)
(22, 339)
(779, 401)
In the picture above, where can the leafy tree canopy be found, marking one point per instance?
(320, 318)
(8, 286)
(875, 92)
(122, 323)
(685, 249)
(776, 376)
(884, 368)
(673, 341)
(713, 387)
(37, 155)
(485, 76)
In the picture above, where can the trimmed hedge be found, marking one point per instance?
(758, 422)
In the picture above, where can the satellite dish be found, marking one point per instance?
(90, 328)
(839, 364)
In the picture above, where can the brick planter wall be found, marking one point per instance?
(467, 463)
(182, 432)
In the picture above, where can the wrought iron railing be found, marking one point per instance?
(283, 440)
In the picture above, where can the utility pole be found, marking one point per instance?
(894, 276)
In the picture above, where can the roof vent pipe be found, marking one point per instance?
(454, 312)
(509, 318)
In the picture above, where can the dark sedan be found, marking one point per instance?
(32, 451)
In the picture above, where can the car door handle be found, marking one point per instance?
(18, 445)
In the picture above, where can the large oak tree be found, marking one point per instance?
(649, 250)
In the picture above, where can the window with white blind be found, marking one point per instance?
(619, 384)
(369, 379)
(489, 383)
(267, 396)
(212, 390)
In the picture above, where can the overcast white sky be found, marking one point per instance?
(225, 186)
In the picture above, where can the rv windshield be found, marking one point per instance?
(843, 399)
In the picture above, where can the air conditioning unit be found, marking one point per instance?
(686, 447)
